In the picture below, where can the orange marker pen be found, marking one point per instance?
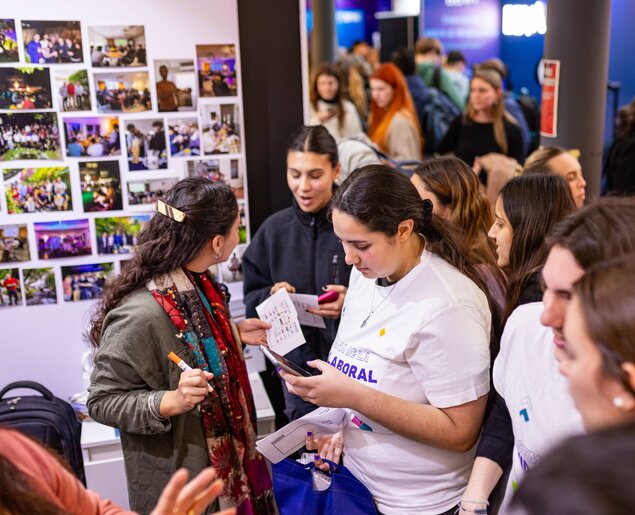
(184, 366)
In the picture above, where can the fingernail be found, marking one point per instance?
(324, 288)
(278, 369)
(309, 433)
(317, 457)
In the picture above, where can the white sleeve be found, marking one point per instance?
(450, 355)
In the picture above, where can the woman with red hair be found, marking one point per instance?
(393, 120)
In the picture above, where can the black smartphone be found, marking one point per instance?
(283, 363)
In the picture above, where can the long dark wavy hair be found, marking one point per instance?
(380, 198)
(165, 245)
(533, 204)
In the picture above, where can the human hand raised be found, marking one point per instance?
(282, 284)
(253, 331)
(192, 389)
(331, 309)
(329, 447)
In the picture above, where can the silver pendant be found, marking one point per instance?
(365, 320)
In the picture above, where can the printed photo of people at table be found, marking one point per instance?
(221, 129)
(101, 186)
(184, 137)
(117, 46)
(68, 238)
(145, 193)
(176, 84)
(14, 243)
(39, 286)
(216, 66)
(10, 288)
(73, 90)
(86, 282)
(231, 270)
(52, 42)
(29, 136)
(38, 190)
(8, 42)
(242, 225)
(226, 170)
(146, 144)
(92, 136)
(123, 92)
(25, 88)
(119, 234)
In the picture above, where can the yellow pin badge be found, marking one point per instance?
(382, 331)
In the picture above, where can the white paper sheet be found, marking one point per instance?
(285, 441)
(285, 333)
(302, 302)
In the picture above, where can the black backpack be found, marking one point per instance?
(47, 419)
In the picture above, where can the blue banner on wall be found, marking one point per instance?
(471, 26)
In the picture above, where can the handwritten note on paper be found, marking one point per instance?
(285, 333)
(285, 441)
(302, 302)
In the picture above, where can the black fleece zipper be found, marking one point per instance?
(314, 233)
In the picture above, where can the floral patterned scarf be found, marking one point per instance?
(199, 312)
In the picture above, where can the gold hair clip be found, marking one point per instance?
(170, 212)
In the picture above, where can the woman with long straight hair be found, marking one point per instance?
(411, 356)
(166, 301)
(393, 123)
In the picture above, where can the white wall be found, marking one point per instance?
(44, 343)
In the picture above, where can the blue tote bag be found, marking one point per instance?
(293, 488)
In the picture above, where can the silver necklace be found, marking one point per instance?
(373, 309)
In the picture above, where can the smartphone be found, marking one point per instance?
(329, 296)
(283, 363)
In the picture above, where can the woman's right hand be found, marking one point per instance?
(192, 389)
(328, 446)
(282, 284)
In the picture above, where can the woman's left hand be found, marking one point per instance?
(253, 331)
(331, 388)
(331, 309)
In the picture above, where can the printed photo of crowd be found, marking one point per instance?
(119, 234)
(146, 145)
(38, 190)
(117, 46)
(14, 243)
(8, 42)
(221, 130)
(176, 84)
(10, 287)
(123, 92)
(85, 282)
(73, 90)
(144, 193)
(93, 136)
(216, 65)
(29, 136)
(101, 186)
(68, 238)
(52, 42)
(39, 286)
(25, 88)
(226, 170)
(184, 137)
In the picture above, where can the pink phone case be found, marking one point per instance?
(329, 296)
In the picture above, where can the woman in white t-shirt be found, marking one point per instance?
(411, 356)
(328, 107)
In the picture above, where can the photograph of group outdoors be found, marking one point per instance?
(52, 42)
(85, 282)
(226, 170)
(10, 287)
(73, 90)
(92, 136)
(66, 238)
(14, 243)
(146, 145)
(101, 186)
(8, 42)
(29, 136)
(146, 193)
(119, 234)
(25, 88)
(216, 67)
(221, 129)
(117, 46)
(123, 92)
(176, 84)
(39, 286)
(184, 137)
(38, 190)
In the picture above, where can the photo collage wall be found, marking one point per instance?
(94, 128)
